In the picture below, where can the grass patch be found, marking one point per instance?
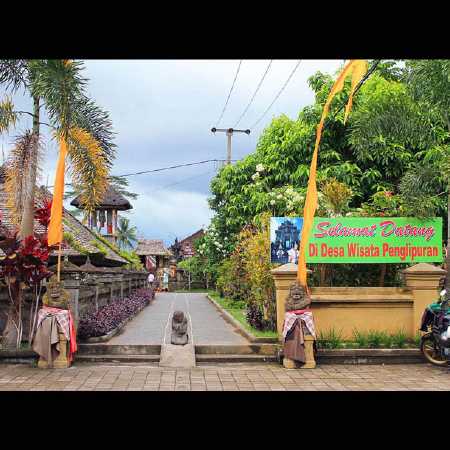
(400, 338)
(376, 338)
(361, 338)
(237, 309)
(330, 338)
(192, 291)
(417, 338)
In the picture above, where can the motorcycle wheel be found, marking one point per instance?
(430, 352)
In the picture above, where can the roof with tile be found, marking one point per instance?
(82, 236)
(111, 200)
(154, 247)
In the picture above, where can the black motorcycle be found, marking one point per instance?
(435, 343)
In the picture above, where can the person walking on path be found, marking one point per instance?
(166, 281)
(150, 280)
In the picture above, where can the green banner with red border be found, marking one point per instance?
(363, 239)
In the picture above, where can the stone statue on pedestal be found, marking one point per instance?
(179, 329)
(56, 296)
(297, 298)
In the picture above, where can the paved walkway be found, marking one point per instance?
(151, 324)
(236, 377)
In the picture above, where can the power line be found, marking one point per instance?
(276, 97)
(229, 94)
(183, 181)
(254, 95)
(163, 168)
(171, 167)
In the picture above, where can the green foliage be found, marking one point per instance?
(194, 265)
(126, 235)
(392, 158)
(364, 158)
(238, 310)
(417, 339)
(103, 250)
(133, 259)
(70, 239)
(399, 339)
(376, 338)
(331, 338)
(336, 197)
(231, 281)
(360, 338)
(245, 274)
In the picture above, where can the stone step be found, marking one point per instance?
(370, 356)
(117, 358)
(250, 349)
(105, 349)
(224, 358)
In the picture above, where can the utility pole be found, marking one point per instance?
(229, 132)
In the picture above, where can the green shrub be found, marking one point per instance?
(377, 338)
(400, 338)
(386, 339)
(360, 338)
(330, 338)
(416, 339)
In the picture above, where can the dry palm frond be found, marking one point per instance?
(89, 167)
(8, 117)
(21, 166)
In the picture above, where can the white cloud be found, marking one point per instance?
(162, 112)
(170, 214)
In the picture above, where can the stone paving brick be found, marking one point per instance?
(230, 377)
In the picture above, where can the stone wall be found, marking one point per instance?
(88, 292)
(365, 308)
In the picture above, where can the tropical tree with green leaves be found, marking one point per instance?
(57, 88)
(395, 142)
(409, 133)
(126, 234)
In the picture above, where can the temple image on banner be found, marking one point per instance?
(284, 239)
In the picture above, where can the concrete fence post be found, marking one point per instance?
(72, 285)
(423, 280)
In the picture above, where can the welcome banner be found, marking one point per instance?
(359, 240)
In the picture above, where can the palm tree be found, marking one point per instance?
(58, 87)
(126, 235)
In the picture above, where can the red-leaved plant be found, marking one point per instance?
(24, 264)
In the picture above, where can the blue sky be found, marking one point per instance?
(162, 112)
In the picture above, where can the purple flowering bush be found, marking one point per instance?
(112, 315)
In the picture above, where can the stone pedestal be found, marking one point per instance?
(310, 362)
(62, 361)
(423, 280)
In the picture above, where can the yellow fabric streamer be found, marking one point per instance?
(357, 68)
(55, 228)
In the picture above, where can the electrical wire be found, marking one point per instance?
(172, 167)
(229, 94)
(163, 168)
(254, 94)
(276, 97)
(182, 181)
